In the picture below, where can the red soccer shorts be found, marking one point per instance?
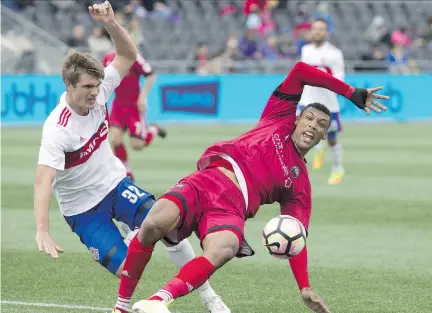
(128, 118)
(209, 202)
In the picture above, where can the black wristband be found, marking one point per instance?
(359, 97)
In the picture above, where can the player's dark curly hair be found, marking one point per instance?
(319, 107)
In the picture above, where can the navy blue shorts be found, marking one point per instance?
(126, 203)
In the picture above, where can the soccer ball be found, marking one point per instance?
(284, 236)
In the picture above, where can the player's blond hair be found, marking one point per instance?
(77, 63)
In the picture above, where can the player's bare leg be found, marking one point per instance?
(219, 248)
(116, 138)
(338, 171)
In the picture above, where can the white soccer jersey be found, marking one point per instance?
(78, 148)
(329, 59)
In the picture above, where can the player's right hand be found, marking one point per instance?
(314, 301)
(47, 244)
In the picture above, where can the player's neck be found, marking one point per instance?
(319, 43)
(301, 152)
(74, 107)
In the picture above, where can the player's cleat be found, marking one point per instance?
(216, 305)
(161, 132)
(318, 160)
(336, 177)
(150, 306)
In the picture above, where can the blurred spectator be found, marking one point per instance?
(287, 46)
(379, 63)
(269, 50)
(78, 37)
(400, 37)
(302, 35)
(98, 43)
(252, 6)
(161, 9)
(413, 67)
(427, 34)
(135, 9)
(201, 59)
(398, 59)
(249, 44)
(378, 32)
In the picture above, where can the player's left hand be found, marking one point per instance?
(314, 301)
(102, 13)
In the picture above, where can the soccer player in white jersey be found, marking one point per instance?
(323, 55)
(77, 163)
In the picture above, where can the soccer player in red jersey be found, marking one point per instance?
(262, 166)
(129, 110)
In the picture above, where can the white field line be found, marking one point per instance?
(55, 305)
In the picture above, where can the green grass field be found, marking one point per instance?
(370, 239)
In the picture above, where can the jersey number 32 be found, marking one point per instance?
(132, 194)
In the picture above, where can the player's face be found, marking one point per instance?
(85, 92)
(319, 31)
(311, 127)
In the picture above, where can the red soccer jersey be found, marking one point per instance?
(127, 93)
(266, 155)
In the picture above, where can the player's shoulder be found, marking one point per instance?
(332, 48)
(307, 47)
(59, 120)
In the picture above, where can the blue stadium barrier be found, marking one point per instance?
(28, 99)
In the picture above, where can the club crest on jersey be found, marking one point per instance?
(95, 253)
(295, 171)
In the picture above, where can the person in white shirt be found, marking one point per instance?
(323, 55)
(77, 163)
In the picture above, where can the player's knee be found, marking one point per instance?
(137, 144)
(116, 138)
(220, 247)
(332, 139)
(172, 247)
(162, 218)
(113, 260)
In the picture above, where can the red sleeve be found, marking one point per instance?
(285, 98)
(299, 264)
(142, 66)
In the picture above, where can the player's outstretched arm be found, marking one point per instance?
(42, 197)
(126, 51)
(303, 74)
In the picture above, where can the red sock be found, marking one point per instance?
(137, 258)
(149, 138)
(191, 276)
(121, 153)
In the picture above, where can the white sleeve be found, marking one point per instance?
(52, 148)
(338, 65)
(111, 81)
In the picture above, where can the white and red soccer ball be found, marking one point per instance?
(284, 237)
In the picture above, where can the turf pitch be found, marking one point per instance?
(370, 239)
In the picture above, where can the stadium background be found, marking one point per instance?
(217, 61)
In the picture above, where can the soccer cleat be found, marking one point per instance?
(150, 306)
(216, 305)
(161, 132)
(318, 160)
(336, 177)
